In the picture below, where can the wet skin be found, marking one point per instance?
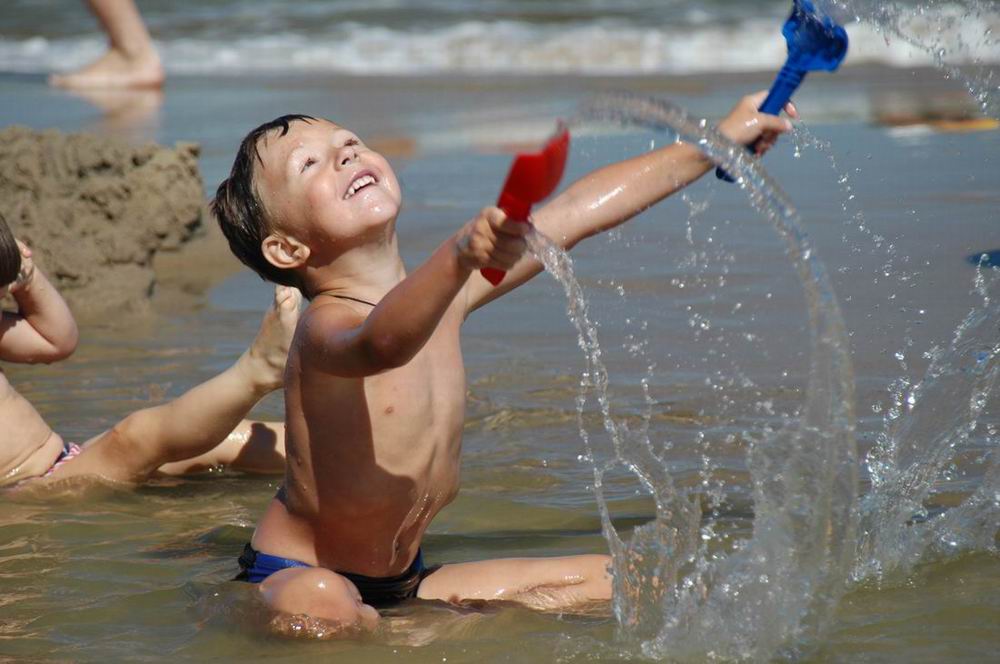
(371, 458)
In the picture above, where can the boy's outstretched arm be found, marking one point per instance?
(343, 343)
(43, 329)
(612, 195)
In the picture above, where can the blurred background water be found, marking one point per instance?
(492, 36)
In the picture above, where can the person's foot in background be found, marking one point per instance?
(131, 60)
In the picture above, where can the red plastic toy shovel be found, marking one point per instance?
(533, 176)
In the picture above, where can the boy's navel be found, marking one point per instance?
(389, 410)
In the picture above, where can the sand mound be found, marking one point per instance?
(95, 211)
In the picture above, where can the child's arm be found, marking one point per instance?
(340, 342)
(43, 329)
(614, 194)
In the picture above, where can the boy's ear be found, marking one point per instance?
(284, 252)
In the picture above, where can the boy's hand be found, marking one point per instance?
(491, 240)
(27, 272)
(745, 124)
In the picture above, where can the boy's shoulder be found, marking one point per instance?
(323, 319)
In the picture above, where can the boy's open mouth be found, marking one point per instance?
(360, 181)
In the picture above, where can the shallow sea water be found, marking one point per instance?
(114, 574)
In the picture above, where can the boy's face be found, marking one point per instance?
(320, 183)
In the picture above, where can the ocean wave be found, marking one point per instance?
(512, 47)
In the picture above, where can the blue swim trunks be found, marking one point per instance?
(375, 591)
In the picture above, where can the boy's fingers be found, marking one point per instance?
(773, 123)
(511, 245)
(484, 229)
(501, 223)
(494, 215)
(509, 249)
(765, 143)
(504, 260)
(756, 99)
(514, 228)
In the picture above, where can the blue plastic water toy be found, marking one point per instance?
(815, 42)
(985, 258)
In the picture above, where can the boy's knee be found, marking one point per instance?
(126, 450)
(114, 445)
(123, 437)
(318, 593)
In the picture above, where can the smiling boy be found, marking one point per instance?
(375, 383)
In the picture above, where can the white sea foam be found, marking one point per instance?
(588, 47)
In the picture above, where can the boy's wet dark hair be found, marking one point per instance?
(241, 212)
(10, 255)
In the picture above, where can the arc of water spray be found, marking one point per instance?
(730, 609)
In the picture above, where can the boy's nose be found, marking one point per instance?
(346, 155)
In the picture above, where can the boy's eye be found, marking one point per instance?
(307, 163)
(352, 141)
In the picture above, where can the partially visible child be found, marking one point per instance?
(202, 428)
(375, 385)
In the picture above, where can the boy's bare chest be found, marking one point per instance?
(372, 460)
(424, 399)
(400, 420)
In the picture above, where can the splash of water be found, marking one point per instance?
(935, 28)
(776, 591)
(925, 426)
(675, 594)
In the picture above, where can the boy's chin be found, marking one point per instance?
(380, 215)
(370, 227)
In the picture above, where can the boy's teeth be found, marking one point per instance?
(357, 184)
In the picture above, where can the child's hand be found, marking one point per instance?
(27, 272)
(492, 240)
(745, 124)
